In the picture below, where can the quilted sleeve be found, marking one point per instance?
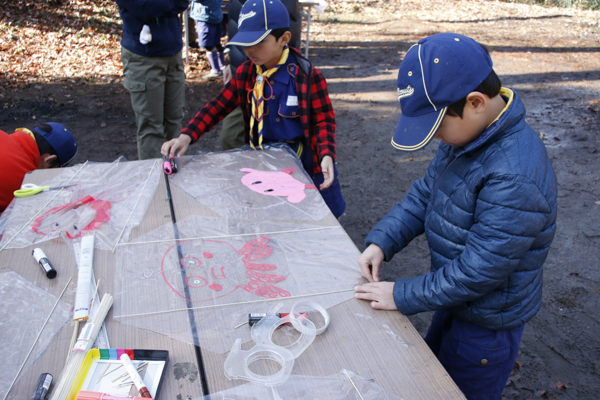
(406, 220)
(507, 223)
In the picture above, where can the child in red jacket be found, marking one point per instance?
(48, 145)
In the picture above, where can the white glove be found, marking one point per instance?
(145, 35)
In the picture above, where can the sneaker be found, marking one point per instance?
(213, 74)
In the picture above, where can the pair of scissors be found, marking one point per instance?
(29, 189)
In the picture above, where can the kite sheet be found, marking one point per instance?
(226, 269)
(252, 185)
(344, 385)
(22, 300)
(108, 199)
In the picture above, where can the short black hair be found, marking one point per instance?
(43, 145)
(279, 32)
(490, 86)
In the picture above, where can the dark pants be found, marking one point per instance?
(479, 359)
(232, 131)
(333, 194)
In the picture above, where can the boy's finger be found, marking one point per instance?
(365, 271)
(376, 277)
(365, 296)
(367, 288)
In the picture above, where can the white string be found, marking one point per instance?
(230, 236)
(231, 304)
(45, 205)
(36, 339)
(134, 206)
(353, 385)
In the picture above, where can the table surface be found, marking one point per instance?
(380, 346)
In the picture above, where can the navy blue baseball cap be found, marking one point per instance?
(436, 72)
(61, 139)
(257, 19)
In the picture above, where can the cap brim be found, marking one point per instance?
(246, 39)
(413, 133)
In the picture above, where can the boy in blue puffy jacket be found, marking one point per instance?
(487, 205)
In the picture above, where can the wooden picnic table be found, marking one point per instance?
(379, 346)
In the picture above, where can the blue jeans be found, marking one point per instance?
(479, 359)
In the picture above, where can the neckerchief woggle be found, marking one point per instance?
(257, 96)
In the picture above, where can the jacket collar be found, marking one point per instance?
(513, 113)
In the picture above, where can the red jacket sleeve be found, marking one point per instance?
(217, 109)
(322, 117)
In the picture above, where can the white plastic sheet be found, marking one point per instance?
(22, 300)
(226, 269)
(112, 197)
(215, 180)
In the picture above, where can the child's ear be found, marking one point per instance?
(48, 160)
(286, 37)
(478, 101)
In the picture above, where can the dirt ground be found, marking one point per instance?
(551, 56)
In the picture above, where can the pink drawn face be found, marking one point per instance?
(276, 183)
(198, 275)
(202, 275)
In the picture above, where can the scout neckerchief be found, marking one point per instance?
(258, 99)
(27, 131)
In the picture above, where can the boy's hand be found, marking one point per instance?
(381, 295)
(181, 143)
(328, 174)
(370, 262)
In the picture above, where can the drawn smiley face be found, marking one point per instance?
(210, 269)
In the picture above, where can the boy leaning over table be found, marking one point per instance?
(487, 205)
(282, 96)
(48, 145)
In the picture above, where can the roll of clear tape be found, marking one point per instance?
(238, 361)
(315, 306)
(262, 331)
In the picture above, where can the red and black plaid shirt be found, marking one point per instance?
(321, 132)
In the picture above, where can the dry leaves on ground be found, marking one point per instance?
(43, 42)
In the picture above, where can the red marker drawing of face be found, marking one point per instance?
(209, 277)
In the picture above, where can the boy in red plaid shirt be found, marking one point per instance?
(283, 98)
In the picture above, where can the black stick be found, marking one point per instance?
(186, 290)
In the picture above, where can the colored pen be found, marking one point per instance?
(85, 395)
(135, 376)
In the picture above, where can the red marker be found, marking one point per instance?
(135, 376)
(253, 318)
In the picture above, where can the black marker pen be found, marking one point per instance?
(41, 259)
(42, 388)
